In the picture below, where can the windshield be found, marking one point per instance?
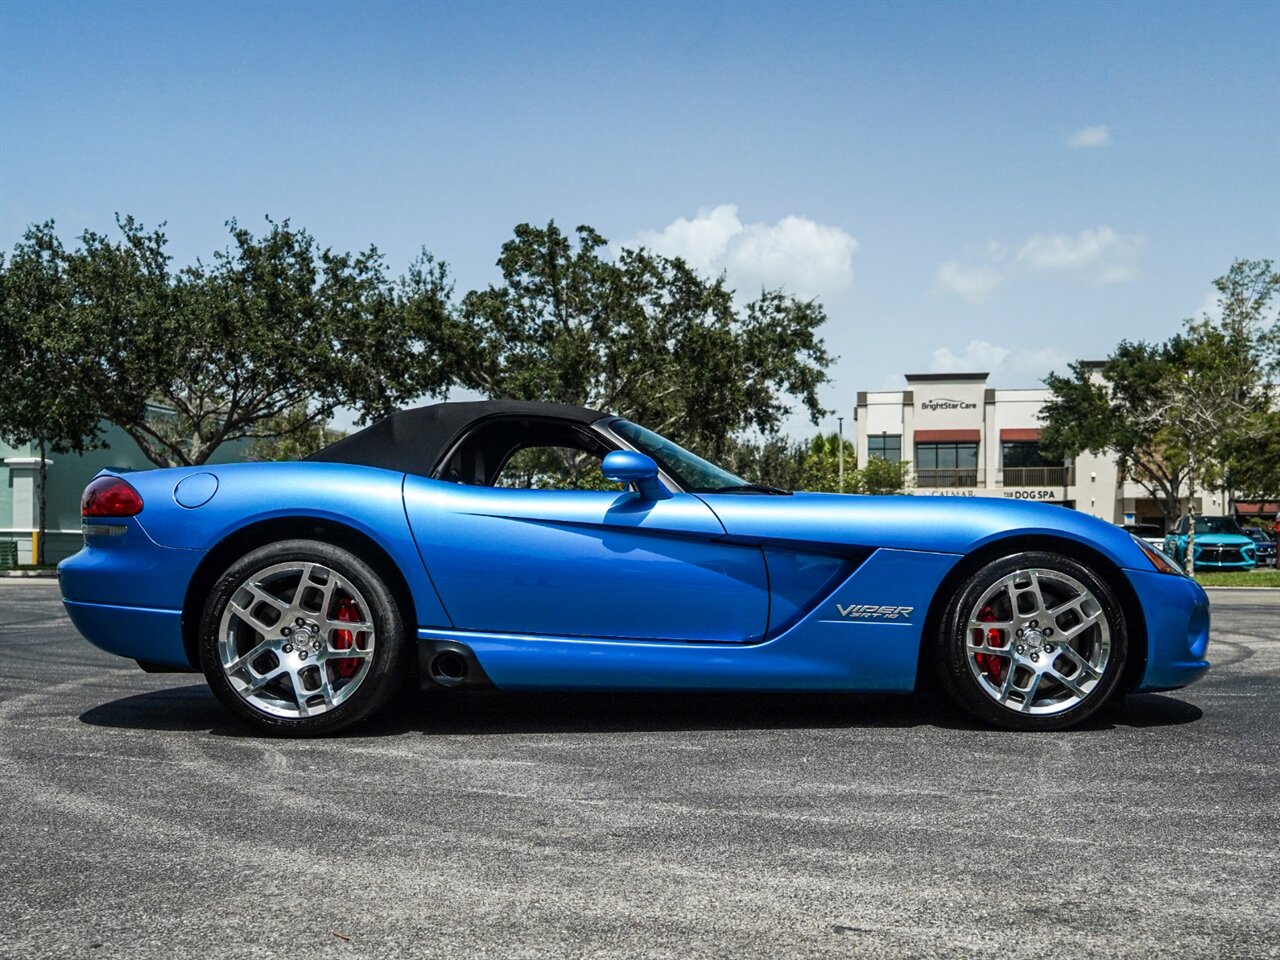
(1217, 525)
(689, 470)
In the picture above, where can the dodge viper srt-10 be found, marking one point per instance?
(306, 591)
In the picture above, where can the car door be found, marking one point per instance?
(586, 563)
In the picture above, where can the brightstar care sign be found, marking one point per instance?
(945, 403)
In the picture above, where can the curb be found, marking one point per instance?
(1244, 589)
(29, 574)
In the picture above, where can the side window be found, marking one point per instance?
(553, 468)
(532, 453)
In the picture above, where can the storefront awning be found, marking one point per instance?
(1020, 435)
(1256, 508)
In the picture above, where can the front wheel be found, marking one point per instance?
(301, 638)
(1033, 641)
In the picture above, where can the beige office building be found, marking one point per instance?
(966, 439)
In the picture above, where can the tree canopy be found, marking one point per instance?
(1195, 411)
(1117, 408)
(262, 343)
(265, 340)
(52, 396)
(643, 336)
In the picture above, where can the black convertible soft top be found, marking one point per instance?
(414, 441)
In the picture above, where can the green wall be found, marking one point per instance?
(68, 475)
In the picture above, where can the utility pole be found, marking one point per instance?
(840, 422)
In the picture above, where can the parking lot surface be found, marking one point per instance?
(137, 819)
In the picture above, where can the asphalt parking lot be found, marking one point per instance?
(137, 819)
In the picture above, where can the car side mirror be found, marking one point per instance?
(637, 470)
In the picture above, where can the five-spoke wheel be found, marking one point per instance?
(299, 637)
(1032, 641)
(293, 640)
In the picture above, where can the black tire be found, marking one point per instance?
(379, 679)
(964, 680)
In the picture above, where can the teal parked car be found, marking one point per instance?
(1220, 545)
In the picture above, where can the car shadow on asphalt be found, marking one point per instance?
(192, 708)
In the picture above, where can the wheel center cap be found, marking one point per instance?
(1033, 647)
(302, 640)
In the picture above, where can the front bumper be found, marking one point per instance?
(1228, 557)
(1221, 565)
(1176, 610)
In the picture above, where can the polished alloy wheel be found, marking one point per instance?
(295, 639)
(1038, 642)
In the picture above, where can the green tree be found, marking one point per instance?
(51, 374)
(821, 468)
(1253, 464)
(881, 476)
(1121, 410)
(295, 438)
(265, 342)
(1179, 414)
(642, 336)
(1215, 401)
(775, 461)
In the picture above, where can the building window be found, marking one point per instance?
(946, 456)
(886, 447)
(1024, 466)
(1024, 453)
(947, 465)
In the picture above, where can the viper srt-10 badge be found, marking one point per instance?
(872, 611)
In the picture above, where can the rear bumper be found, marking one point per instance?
(139, 633)
(129, 567)
(1176, 610)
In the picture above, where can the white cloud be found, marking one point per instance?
(978, 355)
(806, 258)
(1103, 246)
(973, 283)
(700, 242)
(982, 355)
(1086, 137)
(1118, 273)
(1101, 254)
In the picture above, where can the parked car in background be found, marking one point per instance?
(1220, 544)
(1149, 532)
(1266, 544)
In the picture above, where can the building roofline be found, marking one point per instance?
(944, 377)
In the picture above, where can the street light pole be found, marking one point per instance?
(840, 421)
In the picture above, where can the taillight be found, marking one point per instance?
(110, 497)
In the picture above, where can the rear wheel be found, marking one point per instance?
(1033, 641)
(301, 638)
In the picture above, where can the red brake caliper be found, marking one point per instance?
(993, 666)
(345, 639)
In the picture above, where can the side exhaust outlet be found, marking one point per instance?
(448, 663)
(448, 668)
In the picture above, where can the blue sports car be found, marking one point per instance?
(305, 591)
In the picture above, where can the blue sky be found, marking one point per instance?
(966, 186)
